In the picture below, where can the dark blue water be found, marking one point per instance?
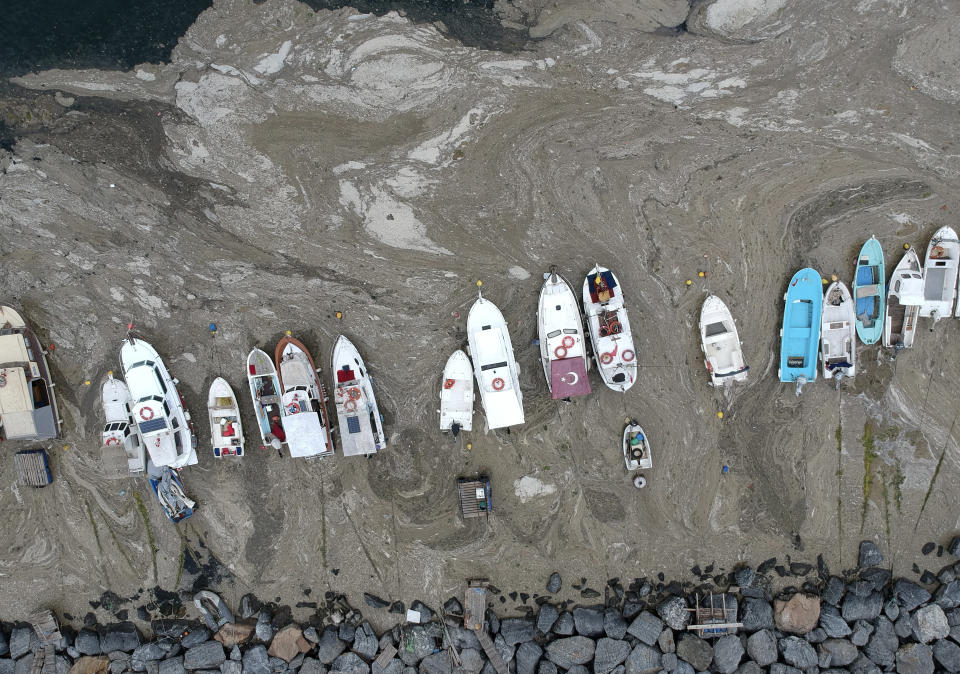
(118, 34)
(107, 34)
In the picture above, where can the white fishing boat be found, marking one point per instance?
(226, 429)
(494, 365)
(563, 349)
(28, 407)
(121, 437)
(162, 419)
(305, 415)
(940, 274)
(904, 298)
(361, 425)
(720, 342)
(609, 329)
(636, 448)
(265, 392)
(456, 394)
(838, 332)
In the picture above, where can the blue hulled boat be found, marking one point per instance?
(869, 291)
(800, 335)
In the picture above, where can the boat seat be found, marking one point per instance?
(868, 291)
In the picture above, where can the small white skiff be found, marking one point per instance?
(494, 365)
(720, 342)
(361, 425)
(305, 415)
(265, 393)
(563, 349)
(609, 329)
(636, 448)
(838, 332)
(904, 298)
(120, 433)
(163, 421)
(226, 429)
(940, 274)
(456, 394)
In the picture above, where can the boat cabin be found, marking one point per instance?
(27, 408)
(352, 405)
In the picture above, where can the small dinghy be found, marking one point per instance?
(496, 369)
(904, 298)
(265, 392)
(720, 343)
(166, 484)
(162, 419)
(305, 415)
(563, 349)
(226, 430)
(119, 430)
(838, 333)
(800, 334)
(869, 291)
(636, 448)
(609, 329)
(361, 426)
(456, 394)
(940, 274)
(28, 407)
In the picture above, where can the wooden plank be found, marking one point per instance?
(492, 655)
(385, 656)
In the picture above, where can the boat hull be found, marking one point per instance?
(609, 328)
(456, 393)
(636, 457)
(869, 292)
(307, 424)
(360, 422)
(904, 298)
(800, 332)
(563, 348)
(838, 334)
(494, 365)
(720, 343)
(940, 268)
(223, 412)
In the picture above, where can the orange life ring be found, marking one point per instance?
(556, 352)
(606, 358)
(294, 407)
(144, 415)
(350, 405)
(937, 252)
(112, 441)
(615, 328)
(604, 331)
(568, 341)
(449, 383)
(627, 358)
(354, 393)
(498, 384)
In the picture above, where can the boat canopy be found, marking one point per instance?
(305, 434)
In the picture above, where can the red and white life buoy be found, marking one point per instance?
(560, 352)
(112, 441)
(498, 384)
(568, 341)
(627, 355)
(354, 393)
(604, 331)
(146, 413)
(294, 407)
(350, 405)
(606, 358)
(448, 384)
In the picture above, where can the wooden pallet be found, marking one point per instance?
(475, 604)
(472, 505)
(33, 467)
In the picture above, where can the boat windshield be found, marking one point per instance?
(493, 366)
(553, 334)
(146, 398)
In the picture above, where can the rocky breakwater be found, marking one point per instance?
(862, 621)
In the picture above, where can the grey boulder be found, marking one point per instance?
(674, 612)
(856, 607)
(694, 650)
(614, 626)
(208, 655)
(517, 630)
(565, 653)
(646, 627)
(255, 660)
(915, 659)
(527, 656)
(588, 621)
(757, 615)
(564, 624)
(929, 623)
(832, 623)
(435, 663)
(947, 654)
(840, 651)
(762, 648)
(609, 654)
(546, 618)
(909, 595)
(869, 555)
(644, 659)
(172, 666)
(329, 647)
(727, 651)
(798, 652)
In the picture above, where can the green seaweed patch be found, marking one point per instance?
(146, 521)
